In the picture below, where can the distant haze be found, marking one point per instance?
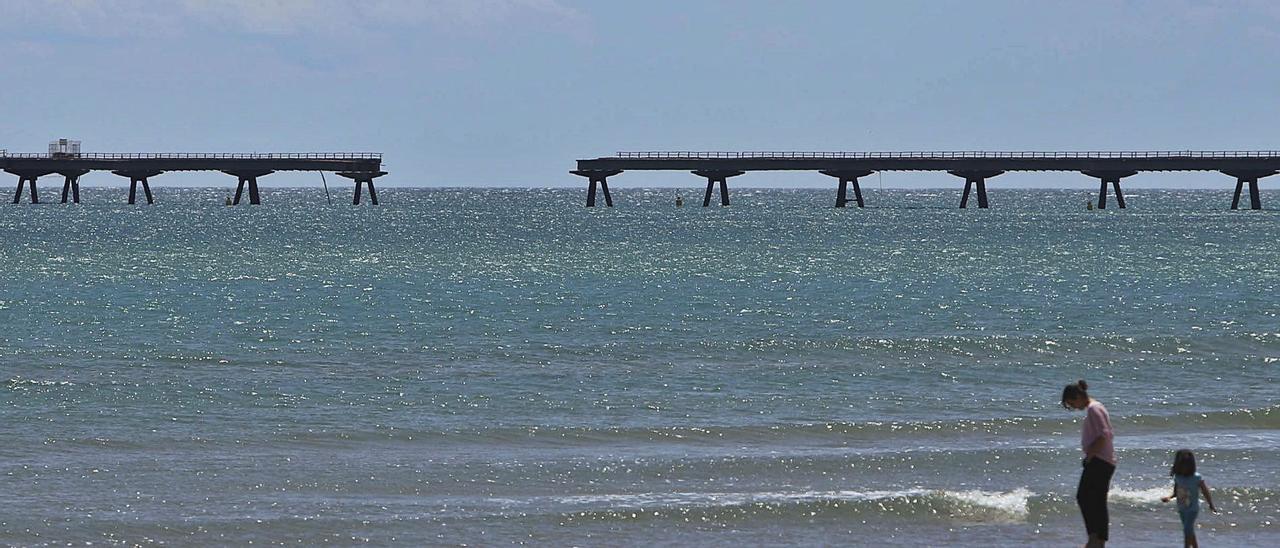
(511, 92)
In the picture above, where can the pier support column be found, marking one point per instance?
(846, 177)
(714, 177)
(250, 179)
(71, 184)
(597, 178)
(136, 177)
(361, 178)
(26, 178)
(974, 179)
(1112, 178)
(1251, 177)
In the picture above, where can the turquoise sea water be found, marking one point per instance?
(503, 366)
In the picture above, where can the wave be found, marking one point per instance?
(1142, 496)
(19, 383)
(1015, 505)
(968, 505)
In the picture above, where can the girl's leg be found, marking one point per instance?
(1189, 527)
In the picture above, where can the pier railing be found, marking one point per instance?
(974, 154)
(205, 156)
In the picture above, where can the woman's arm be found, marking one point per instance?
(1171, 495)
(1204, 488)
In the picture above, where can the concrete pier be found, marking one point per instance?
(600, 179)
(248, 178)
(713, 177)
(138, 176)
(974, 167)
(1251, 178)
(363, 167)
(363, 178)
(846, 177)
(1112, 178)
(975, 179)
(71, 183)
(27, 177)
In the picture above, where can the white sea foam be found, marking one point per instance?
(19, 381)
(1012, 503)
(1007, 504)
(1139, 496)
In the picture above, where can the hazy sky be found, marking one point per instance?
(510, 92)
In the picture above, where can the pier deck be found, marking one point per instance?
(975, 167)
(360, 167)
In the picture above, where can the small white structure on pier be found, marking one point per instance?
(64, 148)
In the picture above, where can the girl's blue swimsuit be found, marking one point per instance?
(1187, 490)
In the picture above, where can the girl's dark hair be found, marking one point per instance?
(1184, 463)
(1075, 390)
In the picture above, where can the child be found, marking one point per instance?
(1187, 487)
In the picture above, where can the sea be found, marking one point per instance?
(489, 367)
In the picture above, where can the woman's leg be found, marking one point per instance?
(1106, 470)
(1091, 496)
(1081, 492)
(1084, 500)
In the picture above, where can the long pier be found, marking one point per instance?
(974, 167)
(360, 167)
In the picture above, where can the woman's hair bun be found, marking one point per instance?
(1083, 385)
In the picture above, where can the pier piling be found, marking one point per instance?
(713, 177)
(136, 177)
(26, 178)
(361, 178)
(249, 179)
(975, 180)
(597, 178)
(846, 177)
(22, 181)
(1112, 178)
(1251, 177)
(71, 184)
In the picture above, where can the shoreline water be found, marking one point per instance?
(449, 369)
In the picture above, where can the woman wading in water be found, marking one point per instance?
(1099, 461)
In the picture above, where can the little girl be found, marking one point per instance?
(1187, 486)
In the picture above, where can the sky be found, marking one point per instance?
(511, 92)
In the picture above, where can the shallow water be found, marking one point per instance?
(495, 366)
